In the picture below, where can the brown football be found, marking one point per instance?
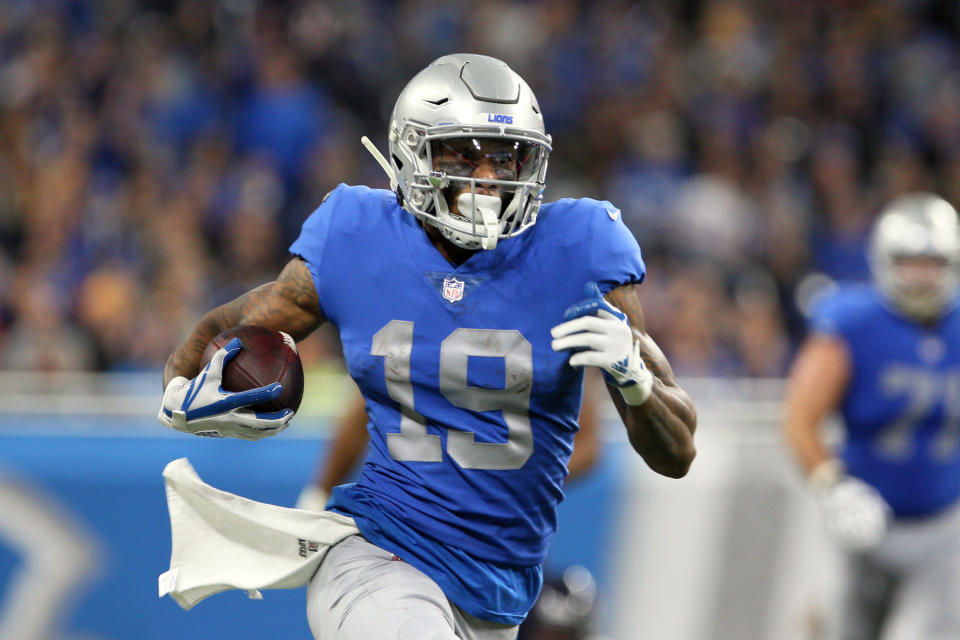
(267, 356)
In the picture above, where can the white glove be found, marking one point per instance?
(854, 514)
(312, 498)
(600, 336)
(201, 406)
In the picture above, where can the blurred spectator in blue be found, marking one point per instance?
(844, 212)
(282, 116)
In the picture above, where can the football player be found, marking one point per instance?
(467, 313)
(887, 358)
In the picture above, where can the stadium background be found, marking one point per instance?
(156, 158)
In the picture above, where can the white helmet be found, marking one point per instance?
(474, 97)
(914, 225)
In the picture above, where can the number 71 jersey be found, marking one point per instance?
(901, 408)
(472, 414)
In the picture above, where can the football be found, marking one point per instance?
(267, 356)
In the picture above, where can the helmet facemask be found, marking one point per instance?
(476, 186)
(922, 285)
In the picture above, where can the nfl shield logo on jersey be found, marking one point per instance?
(453, 289)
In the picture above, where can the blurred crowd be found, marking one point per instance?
(157, 158)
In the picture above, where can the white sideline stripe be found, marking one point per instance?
(145, 405)
(78, 404)
(738, 411)
(139, 433)
(92, 404)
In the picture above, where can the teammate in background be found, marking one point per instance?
(467, 328)
(887, 358)
(351, 438)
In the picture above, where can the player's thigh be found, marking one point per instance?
(929, 604)
(869, 593)
(361, 593)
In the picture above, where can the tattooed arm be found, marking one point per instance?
(288, 304)
(661, 429)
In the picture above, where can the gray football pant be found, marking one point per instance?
(360, 592)
(909, 587)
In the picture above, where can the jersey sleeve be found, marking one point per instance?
(312, 241)
(615, 254)
(834, 315)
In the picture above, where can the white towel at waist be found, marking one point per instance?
(222, 541)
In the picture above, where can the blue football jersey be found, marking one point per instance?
(472, 414)
(902, 405)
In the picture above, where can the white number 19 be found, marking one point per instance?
(394, 342)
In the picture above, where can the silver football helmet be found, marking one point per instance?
(468, 100)
(917, 225)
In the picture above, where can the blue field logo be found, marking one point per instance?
(497, 118)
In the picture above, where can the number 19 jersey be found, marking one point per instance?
(472, 414)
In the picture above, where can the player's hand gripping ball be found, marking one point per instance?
(266, 357)
(249, 386)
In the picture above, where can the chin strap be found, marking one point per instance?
(488, 208)
(365, 141)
